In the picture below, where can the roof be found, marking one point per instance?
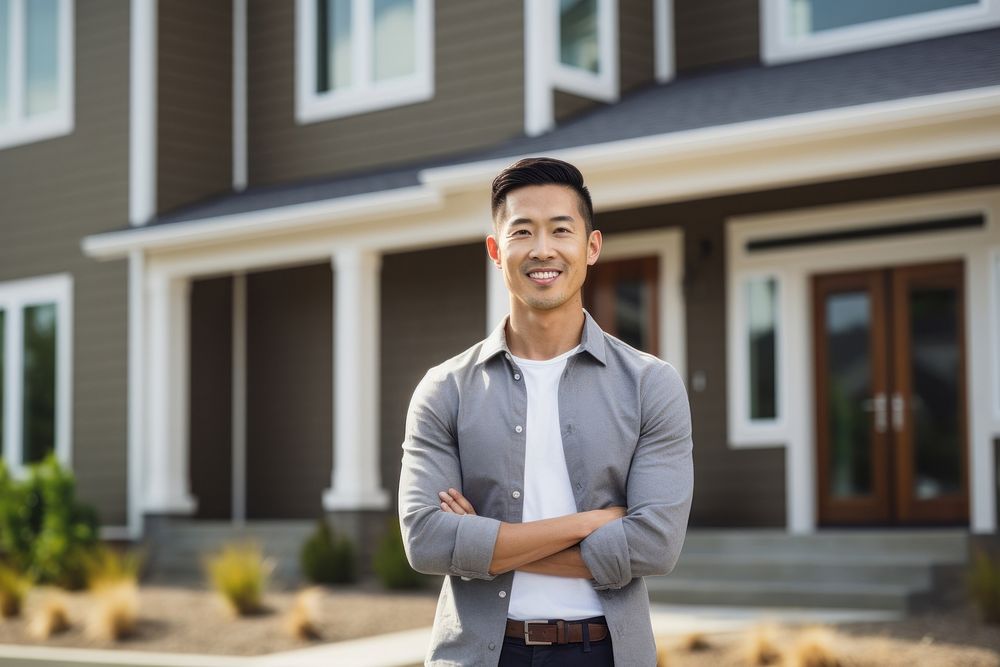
(696, 100)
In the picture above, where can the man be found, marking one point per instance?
(547, 469)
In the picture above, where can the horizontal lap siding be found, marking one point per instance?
(53, 193)
(194, 101)
(746, 487)
(478, 98)
(715, 32)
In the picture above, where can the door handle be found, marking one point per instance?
(877, 405)
(898, 412)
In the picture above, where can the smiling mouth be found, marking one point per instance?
(543, 277)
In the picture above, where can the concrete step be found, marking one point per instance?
(936, 544)
(732, 567)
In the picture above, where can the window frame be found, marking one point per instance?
(778, 47)
(604, 85)
(14, 297)
(364, 94)
(20, 129)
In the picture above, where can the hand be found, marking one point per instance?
(606, 514)
(454, 502)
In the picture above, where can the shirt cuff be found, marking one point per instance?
(475, 540)
(605, 551)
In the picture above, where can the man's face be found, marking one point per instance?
(543, 247)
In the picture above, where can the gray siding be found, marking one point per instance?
(54, 192)
(211, 396)
(747, 487)
(289, 391)
(194, 101)
(427, 317)
(478, 99)
(715, 32)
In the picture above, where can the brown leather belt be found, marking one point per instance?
(554, 632)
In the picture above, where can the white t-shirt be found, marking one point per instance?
(547, 493)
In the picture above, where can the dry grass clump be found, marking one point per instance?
(14, 587)
(761, 645)
(239, 573)
(302, 620)
(49, 617)
(815, 647)
(114, 613)
(107, 567)
(694, 642)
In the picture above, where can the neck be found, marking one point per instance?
(544, 334)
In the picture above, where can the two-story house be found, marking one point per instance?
(234, 234)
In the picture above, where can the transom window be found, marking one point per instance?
(360, 55)
(797, 29)
(34, 369)
(586, 62)
(36, 93)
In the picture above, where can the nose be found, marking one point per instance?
(542, 249)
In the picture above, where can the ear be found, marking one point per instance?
(493, 249)
(594, 244)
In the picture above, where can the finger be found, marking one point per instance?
(452, 504)
(445, 507)
(462, 501)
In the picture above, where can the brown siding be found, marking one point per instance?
(715, 32)
(56, 191)
(211, 396)
(747, 487)
(478, 98)
(427, 317)
(194, 101)
(289, 391)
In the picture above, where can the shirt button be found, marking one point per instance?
(492, 646)
(517, 376)
(518, 428)
(507, 355)
(516, 494)
(466, 578)
(502, 594)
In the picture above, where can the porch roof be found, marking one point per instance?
(692, 101)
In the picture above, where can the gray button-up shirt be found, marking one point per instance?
(626, 431)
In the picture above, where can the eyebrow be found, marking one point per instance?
(528, 221)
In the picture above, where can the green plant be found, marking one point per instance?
(327, 558)
(45, 531)
(391, 566)
(984, 586)
(240, 574)
(14, 587)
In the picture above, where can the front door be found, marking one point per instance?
(623, 296)
(890, 396)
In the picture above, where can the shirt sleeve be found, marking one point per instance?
(435, 541)
(647, 540)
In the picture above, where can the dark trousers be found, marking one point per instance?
(515, 653)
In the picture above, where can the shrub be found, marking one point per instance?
(984, 586)
(391, 566)
(106, 566)
(326, 558)
(44, 531)
(240, 574)
(302, 620)
(14, 587)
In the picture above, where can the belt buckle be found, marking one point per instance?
(528, 641)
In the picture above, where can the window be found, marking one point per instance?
(34, 369)
(355, 56)
(761, 299)
(797, 29)
(586, 58)
(36, 88)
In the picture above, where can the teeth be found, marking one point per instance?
(544, 275)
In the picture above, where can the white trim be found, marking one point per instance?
(239, 405)
(603, 85)
(745, 431)
(668, 246)
(995, 347)
(239, 95)
(539, 114)
(355, 480)
(861, 140)
(15, 295)
(142, 112)
(778, 45)
(136, 389)
(19, 129)
(663, 36)
(364, 94)
(973, 246)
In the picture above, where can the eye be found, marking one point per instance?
(518, 231)
(563, 229)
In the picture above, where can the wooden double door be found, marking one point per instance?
(891, 396)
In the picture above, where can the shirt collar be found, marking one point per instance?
(591, 340)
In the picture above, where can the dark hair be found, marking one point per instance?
(541, 171)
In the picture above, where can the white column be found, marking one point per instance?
(355, 482)
(136, 389)
(497, 296)
(167, 484)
